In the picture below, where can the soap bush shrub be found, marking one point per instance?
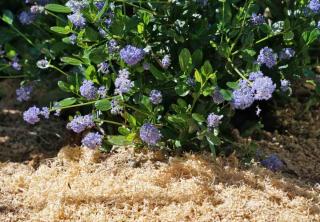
(159, 73)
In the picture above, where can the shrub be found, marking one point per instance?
(161, 73)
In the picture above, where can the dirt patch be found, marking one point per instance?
(20, 141)
(81, 185)
(297, 143)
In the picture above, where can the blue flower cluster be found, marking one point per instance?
(150, 134)
(24, 93)
(132, 55)
(92, 140)
(32, 115)
(257, 19)
(166, 62)
(155, 97)
(267, 57)
(314, 6)
(261, 88)
(88, 90)
(122, 83)
(81, 123)
(213, 120)
(273, 163)
(286, 53)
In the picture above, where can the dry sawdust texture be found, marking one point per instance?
(82, 185)
(297, 143)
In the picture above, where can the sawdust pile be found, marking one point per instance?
(83, 185)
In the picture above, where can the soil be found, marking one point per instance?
(39, 181)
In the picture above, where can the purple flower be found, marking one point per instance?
(77, 19)
(286, 53)
(150, 134)
(112, 46)
(285, 85)
(88, 90)
(103, 68)
(243, 97)
(15, 64)
(102, 92)
(318, 26)
(45, 112)
(116, 107)
(99, 5)
(166, 62)
(263, 88)
(191, 82)
(92, 140)
(32, 115)
(24, 93)
(257, 19)
(36, 9)
(108, 22)
(43, 64)
(254, 75)
(122, 83)
(213, 120)
(73, 39)
(273, 163)
(26, 18)
(217, 97)
(57, 112)
(76, 6)
(132, 55)
(80, 123)
(102, 32)
(146, 66)
(155, 97)
(267, 57)
(314, 6)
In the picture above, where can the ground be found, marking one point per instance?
(40, 181)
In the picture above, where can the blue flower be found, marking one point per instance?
(103, 67)
(80, 123)
(77, 19)
(243, 97)
(217, 97)
(254, 75)
(273, 163)
(285, 85)
(45, 112)
(267, 57)
(26, 18)
(122, 83)
(286, 53)
(132, 55)
(213, 120)
(73, 39)
(43, 64)
(150, 134)
(112, 46)
(32, 115)
(88, 90)
(116, 107)
(76, 6)
(24, 93)
(155, 97)
(257, 19)
(263, 88)
(102, 92)
(314, 5)
(92, 140)
(166, 62)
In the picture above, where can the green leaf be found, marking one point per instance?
(61, 30)
(90, 72)
(7, 17)
(157, 73)
(233, 85)
(68, 102)
(131, 120)
(182, 89)
(227, 94)
(119, 140)
(71, 61)
(206, 69)
(288, 36)
(185, 60)
(103, 105)
(140, 28)
(123, 131)
(198, 77)
(145, 101)
(57, 8)
(198, 117)
(197, 57)
(63, 86)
